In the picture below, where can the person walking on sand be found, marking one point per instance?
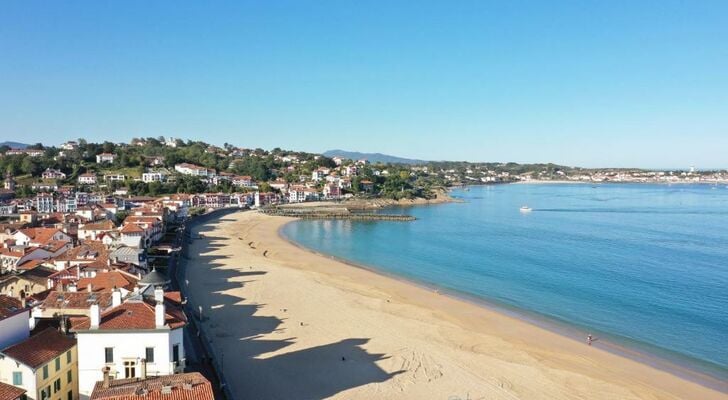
(589, 339)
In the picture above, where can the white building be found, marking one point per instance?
(87, 179)
(243, 181)
(45, 365)
(44, 203)
(154, 176)
(51, 173)
(105, 158)
(142, 336)
(14, 318)
(194, 170)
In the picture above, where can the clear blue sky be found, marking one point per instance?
(591, 83)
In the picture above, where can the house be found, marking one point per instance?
(70, 145)
(187, 386)
(45, 365)
(154, 161)
(279, 184)
(133, 235)
(194, 170)
(105, 158)
(332, 191)
(242, 181)
(44, 203)
(114, 178)
(142, 336)
(319, 174)
(89, 252)
(130, 255)
(51, 173)
(11, 258)
(72, 303)
(159, 175)
(94, 230)
(298, 194)
(26, 282)
(87, 179)
(367, 186)
(38, 237)
(13, 322)
(9, 392)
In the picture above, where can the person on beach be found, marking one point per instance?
(589, 339)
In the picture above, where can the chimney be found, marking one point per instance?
(158, 294)
(90, 287)
(95, 316)
(159, 314)
(107, 379)
(115, 297)
(143, 368)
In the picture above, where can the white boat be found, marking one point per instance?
(525, 209)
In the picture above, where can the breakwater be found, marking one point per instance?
(333, 213)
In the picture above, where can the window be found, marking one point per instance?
(45, 371)
(109, 354)
(150, 354)
(129, 369)
(45, 393)
(68, 356)
(69, 375)
(175, 354)
(57, 385)
(70, 395)
(58, 364)
(17, 378)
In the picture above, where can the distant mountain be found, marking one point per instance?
(372, 157)
(14, 145)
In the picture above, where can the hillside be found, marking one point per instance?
(14, 145)
(372, 157)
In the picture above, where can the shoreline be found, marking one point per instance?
(495, 353)
(562, 328)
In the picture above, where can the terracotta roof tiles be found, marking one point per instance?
(40, 349)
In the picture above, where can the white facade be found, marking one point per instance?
(14, 329)
(105, 157)
(87, 179)
(156, 176)
(130, 347)
(194, 170)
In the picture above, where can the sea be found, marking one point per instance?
(642, 267)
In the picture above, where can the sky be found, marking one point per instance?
(582, 83)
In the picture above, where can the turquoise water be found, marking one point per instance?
(644, 266)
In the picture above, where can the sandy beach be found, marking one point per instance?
(290, 324)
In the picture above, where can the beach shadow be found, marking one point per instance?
(313, 373)
(232, 324)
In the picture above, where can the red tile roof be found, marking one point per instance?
(108, 281)
(131, 228)
(105, 225)
(40, 349)
(133, 315)
(188, 386)
(9, 306)
(88, 250)
(40, 235)
(8, 392)
(77, 300)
